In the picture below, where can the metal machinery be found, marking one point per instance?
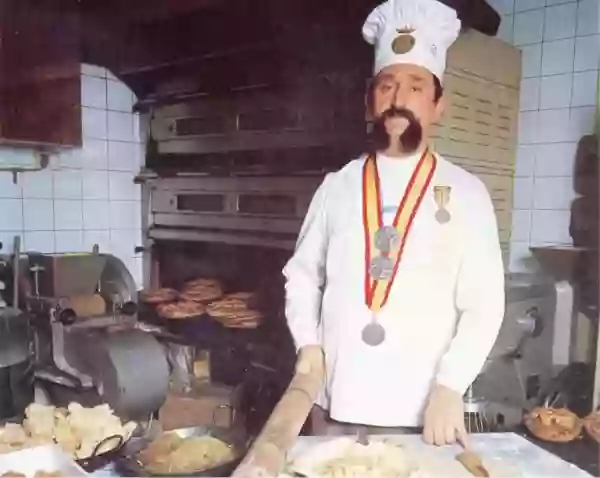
(16, 367)
(82, 310)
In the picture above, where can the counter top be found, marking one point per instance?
(531, 459)
(577, 459)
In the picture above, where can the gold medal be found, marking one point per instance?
(404, 42)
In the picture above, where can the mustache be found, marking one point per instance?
(410, 138)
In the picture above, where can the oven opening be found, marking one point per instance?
(201, 202)
(260, 361)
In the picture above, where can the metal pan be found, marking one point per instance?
(96, 460)
(128, 464)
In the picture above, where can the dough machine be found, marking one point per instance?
(83, 314)
(520, 366)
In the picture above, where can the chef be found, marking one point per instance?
(397, 273)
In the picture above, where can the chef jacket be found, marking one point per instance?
(445, 306)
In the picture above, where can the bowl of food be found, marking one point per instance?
(195, 451)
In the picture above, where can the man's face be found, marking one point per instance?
(403, 103)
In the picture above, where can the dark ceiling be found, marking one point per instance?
(177, 47)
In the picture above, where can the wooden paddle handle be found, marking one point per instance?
(267, 455)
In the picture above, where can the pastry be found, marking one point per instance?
(205, 294)
(245, 296)
(553, 424)
(180, 309)
(226, 307)
(158, 296)
(200, 283)
(591, 423)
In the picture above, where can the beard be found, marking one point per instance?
(410, 139)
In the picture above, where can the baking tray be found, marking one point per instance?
(49, 458)
(128, 465)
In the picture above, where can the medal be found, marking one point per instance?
(381, 268)
(384, 244)
(442, 216)
(373, 334)
(442, 196)
(386, 238)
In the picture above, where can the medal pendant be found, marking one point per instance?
(373, 334)
(442, 216)
(386, 238)
(381, 268)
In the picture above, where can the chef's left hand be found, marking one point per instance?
(444, 421)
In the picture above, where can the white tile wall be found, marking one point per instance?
(87, 196)
(560, 44)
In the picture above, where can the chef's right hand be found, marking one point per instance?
(444, 421)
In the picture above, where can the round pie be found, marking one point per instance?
(200, 283)
(227, 307)
(553, 424)
(591, 423)
(244, 296)
(157, 296)
(205, 294)
(180, 310)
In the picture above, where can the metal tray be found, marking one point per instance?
(128, 464)
(49, 458)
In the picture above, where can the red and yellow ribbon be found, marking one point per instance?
(378, 291)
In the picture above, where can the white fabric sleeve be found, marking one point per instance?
(305, 272)
(480, 296)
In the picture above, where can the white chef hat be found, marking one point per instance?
(412, 31)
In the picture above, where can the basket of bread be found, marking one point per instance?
(91, 436)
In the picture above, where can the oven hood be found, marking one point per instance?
(214, 77)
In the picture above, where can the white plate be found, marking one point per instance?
(50, 458)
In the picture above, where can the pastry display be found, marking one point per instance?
(77, 430)
(553, 424)
(591, 423)
(172, 454)
(158, 296)
(181, 309)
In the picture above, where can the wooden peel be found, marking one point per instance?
(472, 462)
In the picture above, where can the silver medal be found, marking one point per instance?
(373, 334)
(386, 238)
(442, 216)
(381, 268)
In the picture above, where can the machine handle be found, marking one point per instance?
(221, 407)
(533, 322)
(139, 249)
(67, 317)
(129, 308)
